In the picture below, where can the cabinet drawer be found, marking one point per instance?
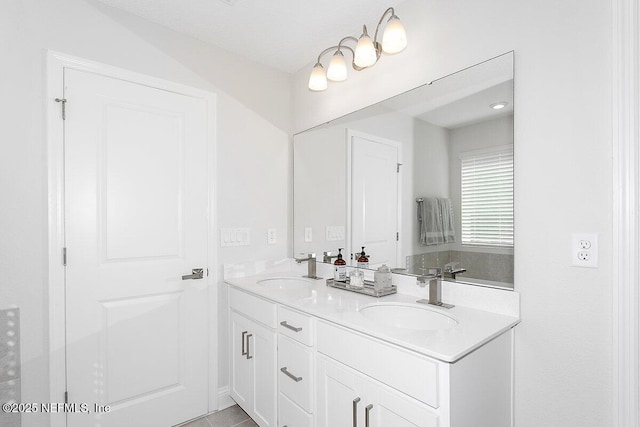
(291, 415)
(295, 372)
(295, 325)
(396, 367)
(253, 307)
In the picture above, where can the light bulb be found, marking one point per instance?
(394, 38)
(337, 70)
(365, 55)
(318, 79)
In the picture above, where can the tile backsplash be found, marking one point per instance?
(9, 364)
(479, 265)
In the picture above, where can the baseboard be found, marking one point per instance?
(224, 398)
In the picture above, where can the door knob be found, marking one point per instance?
(196, 273)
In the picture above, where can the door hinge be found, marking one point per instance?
(64, 256)
(397, 236)
(398, 167)
(63, 101)
(66, 397)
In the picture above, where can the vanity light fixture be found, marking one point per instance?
(499, 105)
(367, 52)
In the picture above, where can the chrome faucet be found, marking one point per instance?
(311, 266)
(435, 288)
(327, 257)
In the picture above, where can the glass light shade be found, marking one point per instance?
(337, 70)
(394, 38)
(365, 55)
(318, 79)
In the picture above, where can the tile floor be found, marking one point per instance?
(233, 416)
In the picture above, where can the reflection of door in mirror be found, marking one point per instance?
(374, 197)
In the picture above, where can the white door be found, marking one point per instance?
(136, 221)
(374, 199)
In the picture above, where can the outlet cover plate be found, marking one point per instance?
(272, 237)
(584, 250)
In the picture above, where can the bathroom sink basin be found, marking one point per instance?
(407, 316)
(284, 283)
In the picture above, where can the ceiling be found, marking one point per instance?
(283, 34)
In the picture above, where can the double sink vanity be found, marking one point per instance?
(385, 177)
(306, 354)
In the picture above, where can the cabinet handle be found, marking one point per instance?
(290, 375)
(288, 326)
(244, 351)
(355, 411)
(248, 346)
(367, 409)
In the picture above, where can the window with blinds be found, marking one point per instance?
(487, 197)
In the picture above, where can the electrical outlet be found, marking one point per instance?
(584, 250)
(272, 238)
(584, 256)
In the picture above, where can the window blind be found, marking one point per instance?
(487, 198)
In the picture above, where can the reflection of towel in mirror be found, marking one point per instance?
(446, 213)
(430, 222)
(435, 218)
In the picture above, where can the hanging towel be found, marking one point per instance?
(430, 222)
(448, 227)
(435, 219)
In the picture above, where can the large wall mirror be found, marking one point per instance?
(421, 180)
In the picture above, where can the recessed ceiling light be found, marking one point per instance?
(499, 105)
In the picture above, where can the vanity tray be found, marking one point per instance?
(367, 290)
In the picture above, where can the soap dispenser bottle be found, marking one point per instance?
(340, 268)
(363, 260)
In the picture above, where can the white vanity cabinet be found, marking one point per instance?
(291, 368)
(253, 356)
(347, 398)
(381, 384)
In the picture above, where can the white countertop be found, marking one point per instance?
(474, 328)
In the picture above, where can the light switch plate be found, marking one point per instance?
(334, 233)
(308, 234)
(235, 237)
(584, 250)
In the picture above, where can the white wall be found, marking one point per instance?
(253, 145)
(563, 176)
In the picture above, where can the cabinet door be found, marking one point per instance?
(241, 366)
(262, 351)
(391, 408)
(339, 395)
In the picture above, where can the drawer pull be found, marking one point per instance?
(244, 351)
(288, 326)
(290, 375)
(355, 411)
(367, 409)
(249, 347)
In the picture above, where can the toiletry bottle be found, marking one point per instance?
(363, 260)
(340, 268)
